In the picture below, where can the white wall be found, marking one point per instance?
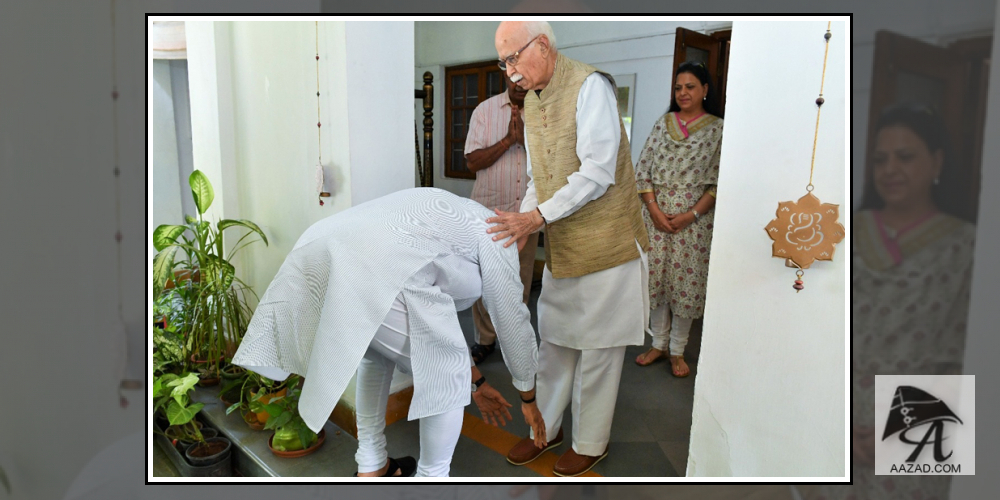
(380, 94)
(275, 133)
(645, 48)
(254, 116)
(59, 351)
(769, 397)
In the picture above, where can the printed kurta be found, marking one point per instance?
(679, 169)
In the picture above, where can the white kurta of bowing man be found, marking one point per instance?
(320, 313)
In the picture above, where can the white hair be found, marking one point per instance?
(535, 28)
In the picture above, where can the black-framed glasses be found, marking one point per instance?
(512, 59)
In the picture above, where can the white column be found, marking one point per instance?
(212, 125)
(380, 93)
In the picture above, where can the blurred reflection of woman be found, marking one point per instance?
(910, 284)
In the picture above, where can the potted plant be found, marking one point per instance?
(292, 437)
(219, 312)
(257, 391)
(168, 351)
(233, 380)
(171, 392)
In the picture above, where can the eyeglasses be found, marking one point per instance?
(512, 59)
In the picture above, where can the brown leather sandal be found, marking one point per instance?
(645, 355)
(675, 363)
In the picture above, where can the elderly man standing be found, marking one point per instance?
(494, 150)
(594, 298)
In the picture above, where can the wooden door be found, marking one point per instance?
(906, 70)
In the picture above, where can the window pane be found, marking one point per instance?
(493, 85)
(927, 90)
(457, 120)
(457, 90)
(472, 90)
(458, 160)
(694, 54)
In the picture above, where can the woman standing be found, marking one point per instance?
(677, 173)
(910, 284)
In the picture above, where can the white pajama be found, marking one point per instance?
(439, 433)
(565, 375)
(668, 330)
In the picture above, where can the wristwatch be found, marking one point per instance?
(476, 384)
(696, 214)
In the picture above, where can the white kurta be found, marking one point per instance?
(609, 308)
(336, 286)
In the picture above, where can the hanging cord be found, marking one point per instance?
(819, 106)
(124, 383)
(319, 135)
(319, 126)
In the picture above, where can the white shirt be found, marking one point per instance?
(334, 289)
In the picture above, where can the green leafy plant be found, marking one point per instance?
(290, 432)
(254, 389)
(216, 309)
(168, 351)
(171, 397)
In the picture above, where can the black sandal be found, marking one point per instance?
(481, 351)
(406, 465)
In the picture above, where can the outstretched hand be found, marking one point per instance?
(492, 405)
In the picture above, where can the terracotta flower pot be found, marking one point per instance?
(251, 419)
(265, 399)
(298, 453)
(182, 275)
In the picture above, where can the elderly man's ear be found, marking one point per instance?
(523, 240)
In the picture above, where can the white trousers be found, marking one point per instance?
(664, 327)
(438, 433)
(589, 378)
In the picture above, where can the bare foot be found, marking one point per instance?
(679, 367)
(647, 358)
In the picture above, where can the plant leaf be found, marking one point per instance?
(182, 386)
(218, 271)
(163, 265)
(190, 219)
(201, 188)
(165, 235)
(224, 223)
(233, 407)
(179, 414)
(281, 420)
(306, 436)
(273, 410)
